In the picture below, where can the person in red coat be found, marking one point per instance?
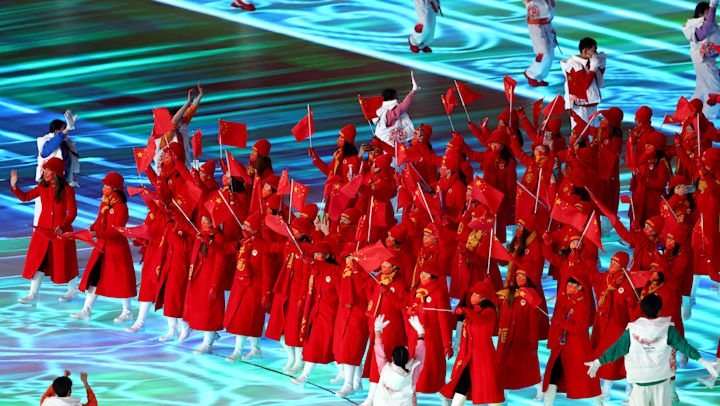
(451, 187)
(204, 307)
(475, 374)
(569, 343)
(398, 242)
(245, 312)
(615, 296)
(651, 173)
(518, 335)
(109, 271)
(350, 333)
(609, 142)
(379, 187)
(260, 162)
(321, 307)
(644, 242)
(420, 144)
(54, 257)
(345, 161)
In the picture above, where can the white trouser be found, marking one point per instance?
(583, 112)
(653, 395)
(707, 81)
(38, 209)
(426, 17)
(543, 42)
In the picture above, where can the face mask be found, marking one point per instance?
(107, 190)
(649, 149)
(266, 192)
(614, 267)
(428, 242)
(226, 180)
(475, 299)
(343, 226)
(496, 148)
(425, 277)
(540, 155)
(571, 289)
(296, 234)
(386, 269)
(390, 242)
(247, 233)
(519, 231)
(205, 226)
(319, 257)
(253, 157)
(415, 140)
(48, 176)
(340, 142)
(521, 280)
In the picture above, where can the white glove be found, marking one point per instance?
(712, 367)
(380, 323)
(415, 323)
(70, 120)
(594, 61)
(593, 367)
(414, 83)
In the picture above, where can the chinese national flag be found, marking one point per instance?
(197, 144)
(488, 195)
(256, 197)
(232, 134)
(284, 184)
(237, 170)
(466, 94)
(371, 257)
(593, 232)
(683, 110)
(423, 201)
(607, 159)
(625, 199)
(405, 154)
(509, 84)
(187, 196)
(555, 107)
(141, 231)
(449, 101)
(536, 109)
(499, 252)
(298, 196)
(162, 122)
(277, 224)
(700, 240)
(577, 85)
(566, 213)
(132, 191)
(142, 159)
(485, 223)
(614, 220)
(668, 215)
(639, 278)
(378, 214)
(530, 295)
(351, 188)
(305, 128)
(337, 202)
(148, 196)
(47, 233)
(370, 105)
(219, 211)
(525, 204)
(82, 235)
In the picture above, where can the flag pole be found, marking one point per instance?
(671, 210)
(185, 215)
(630, 282)
(372, 200)
(537, 195)
(461, 100)
(309, 126)
(229, 208)
(425, 201)
(587, 125)
(698, 135)
(372, 130)
(552, 107)
(442, 97)
(292, 183)
(293, 238)
(492, 236)
(590, 218)
(529, 192)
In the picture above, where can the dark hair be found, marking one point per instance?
(236, 185)
(262, 163)
(701, 8)
(401, 356)
(689, 196)
(331, 260)
(651, 305)
(56, 125)
(60, 184)
(173, 110)
(486, 303)
(586, 43)
(389, 94)
(616, 132)
(573, 280)
(580, 191)
(349, 149)
(61, 386)
(523, 241)
(505, 154)
(121, 195)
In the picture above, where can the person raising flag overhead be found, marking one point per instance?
(393, 123)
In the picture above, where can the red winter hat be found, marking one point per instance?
(309, 211)
(426, 131)
(678, 233)
(433, 229)
(394, 260)
(348, 133)
(273, 180)
(499, 137)
(383, 161)
(656, 139)
(56, 166)
(322, 247)
(613, 115)
(711, 158)
(643, 115)
(538, 143)
(398, 232)
(262, 147)
(554, 124)
(479, 211)
(452, 161)
(677, 180)
(622, 258)
(208, 168)
(505, 117)
(528, 223)
(457, 143)
(303, 226)
(697, 104)
(657, 223)
(114, 180)
(484, 289)
(178, 150)
(253, 221)
(351, 214)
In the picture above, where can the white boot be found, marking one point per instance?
(309, 366)
(126, 314)
(597, 401)
(371, 394)
(357, 379)
(140, 322)
(445, 401)
(538, 393)
(673, 393)
(35, 283)
(550, 394)
(340, 375)
(290, 351)
(708, 381)
(239, 344)
(458, 400)
(297, 366)
(208, 339)
(86, 311)
(172, 330)
(184, 330)
(348, 375)
(606, 387)
(72, 292)
(255, 351)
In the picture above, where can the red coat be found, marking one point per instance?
(152, 254)
(173, 274)
(438, 333)
(425, 167)
(708, 205)
(239, 202)
(206, 266)
(319, 314)
(650, 179)
(381, 187)
(117, 274)
(569, 338)
(518, 341)
(452, 191)
(62, 265)
(470, 263)
(339, 165)
(350, 332)
(245, 315)
(477, 353)
(609, 150)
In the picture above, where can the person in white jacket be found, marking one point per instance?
(702, 31)
(392, 123)
(584, 79)
(647, 347)
(58, 394)
(396, 386)
(544, 40)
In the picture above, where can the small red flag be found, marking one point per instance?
(351, 188)
(555, 107)
(614, 220)
(499, 252)
(337, 202)
(639, 278)
(467, 95)
(713, 99)
(299, 195)
(142, 159)
(47, 233)
(536, 109)
(256, 197)
(425, 202)
(378, 214)
(509, 84)
(197, 144)
(577, 83)
(141, 231)
(593, 232)
(187, 196)
(277, 224)
(370, 105)
(405, 154)
(82, 235)
(488, 195)
(625, 199)
(162, 122)
(371, 257)
(566, 213)
(485, 223)
(530, 295)
(237, 170)
(219, 211)
(284, 184)
(449, 101)
(305, 128)
(232, 134)
(132, 191)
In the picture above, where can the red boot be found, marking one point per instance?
(242, 5)
(414, 48)
(427, 49)
(532, 82)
